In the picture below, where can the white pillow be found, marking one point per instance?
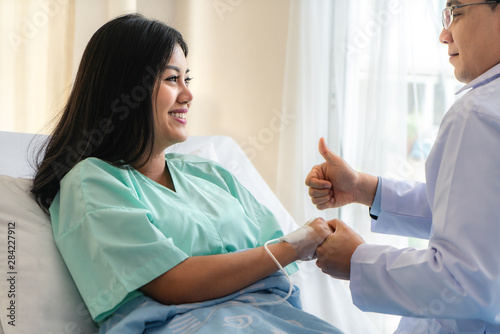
(41, 294)
(207, 151)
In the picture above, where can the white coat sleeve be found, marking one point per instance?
(458, 276)
(404, 209)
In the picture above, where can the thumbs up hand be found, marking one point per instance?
(334, 183)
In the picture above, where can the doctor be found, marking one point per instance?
(453, 286)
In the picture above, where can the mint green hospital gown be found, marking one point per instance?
(117, 229)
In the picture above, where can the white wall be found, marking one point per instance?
(237, 57)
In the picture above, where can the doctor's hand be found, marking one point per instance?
(334, 183)
(335, 253)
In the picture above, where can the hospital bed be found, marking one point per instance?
(37, 294)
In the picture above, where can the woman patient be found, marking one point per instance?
(159, 243)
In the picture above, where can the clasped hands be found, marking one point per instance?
(331, 242)
(334, 184)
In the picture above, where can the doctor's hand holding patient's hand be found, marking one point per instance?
(334, 183)
(335, 253)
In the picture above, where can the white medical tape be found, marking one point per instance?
(304, 241)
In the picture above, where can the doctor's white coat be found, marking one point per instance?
(456, 280)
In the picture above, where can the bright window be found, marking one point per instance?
(393, 84)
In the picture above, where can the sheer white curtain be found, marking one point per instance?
(35, 61)
(372, 78)
(307, 96)
(37, 52)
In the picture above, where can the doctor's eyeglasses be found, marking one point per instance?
(447, 15)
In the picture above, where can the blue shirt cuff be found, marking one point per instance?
(375, 208)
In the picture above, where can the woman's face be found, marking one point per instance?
(172, 102)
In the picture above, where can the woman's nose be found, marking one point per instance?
(185, 96)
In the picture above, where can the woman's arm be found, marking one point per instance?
(207, 277)
(202, 278)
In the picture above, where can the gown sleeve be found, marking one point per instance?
(105, 234)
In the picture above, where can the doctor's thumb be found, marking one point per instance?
(325, 152)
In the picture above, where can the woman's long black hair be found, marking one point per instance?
(109, 113)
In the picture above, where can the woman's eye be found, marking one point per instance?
(172, 78)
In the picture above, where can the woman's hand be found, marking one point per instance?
(308, 237)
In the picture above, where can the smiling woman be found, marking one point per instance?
(129, 133)
(173, 99)
(150, 230)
